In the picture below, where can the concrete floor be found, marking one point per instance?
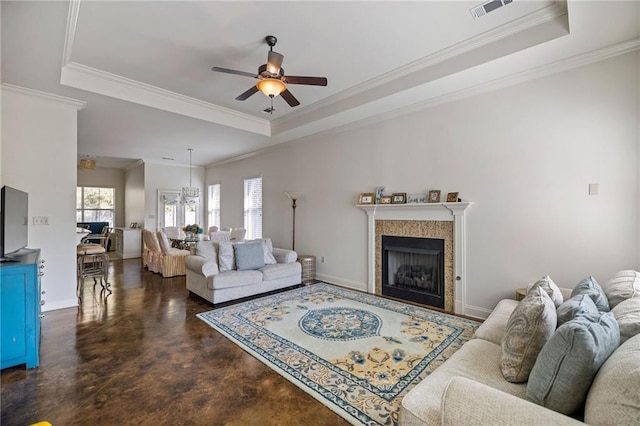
(142, 357)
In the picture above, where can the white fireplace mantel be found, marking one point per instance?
(428, 212)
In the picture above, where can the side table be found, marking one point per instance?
(308, 268)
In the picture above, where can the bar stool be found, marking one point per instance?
(93, 262)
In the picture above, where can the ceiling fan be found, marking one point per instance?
(271, 78)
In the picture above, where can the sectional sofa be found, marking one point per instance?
(590, 363)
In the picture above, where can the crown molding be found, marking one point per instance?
(512, 80)
(547, 15)
(70, 33)
(108, 84)
(74, 103)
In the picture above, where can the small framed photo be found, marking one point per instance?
(399, 198)
(366, 198)
(416, 198)
(379, 193)
(434, 196)
(386, 199)
(452, 197)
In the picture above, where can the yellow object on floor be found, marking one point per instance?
(45, 423)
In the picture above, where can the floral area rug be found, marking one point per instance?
(356, 353)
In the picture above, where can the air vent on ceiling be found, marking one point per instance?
(486, 7)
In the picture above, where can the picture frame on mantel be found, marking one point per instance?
(416, 198)
(379, 193)
(386, 199)
(366, 198)
(452, 197)
(399, 198)
(434, 196)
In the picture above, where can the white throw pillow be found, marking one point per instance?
(624, 285)
(226, 259)
(627, 314)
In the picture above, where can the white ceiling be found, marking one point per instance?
(144, 68)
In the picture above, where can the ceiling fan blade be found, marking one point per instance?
(246, 94)
(228, 71)
(311, 81)
(289, 98)
(274, 62)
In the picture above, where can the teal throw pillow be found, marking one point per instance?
(568, 362)
(249, 256)
(591, 287)
(581, 304)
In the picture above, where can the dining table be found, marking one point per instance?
(80, 234)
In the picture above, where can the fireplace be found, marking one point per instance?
(413, 269)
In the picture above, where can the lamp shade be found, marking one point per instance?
(293, 195)
(271, 87)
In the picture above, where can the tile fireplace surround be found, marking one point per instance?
(432, 220)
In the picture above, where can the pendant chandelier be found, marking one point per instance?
(190, 195)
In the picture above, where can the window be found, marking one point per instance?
(213, 204)
(95, 204)
(173, 212)
(253, 207)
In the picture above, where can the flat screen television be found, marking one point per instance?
(13, 220)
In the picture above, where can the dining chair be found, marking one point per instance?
(172, 259)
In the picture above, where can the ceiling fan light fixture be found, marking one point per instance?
(271, 87)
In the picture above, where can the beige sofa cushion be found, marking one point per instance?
(235, 279)
(493, 408)
(492, 329)
(529, 327)
(614, 397)
(627, 314)
(280, 270)
(623, 285)
(478, 359)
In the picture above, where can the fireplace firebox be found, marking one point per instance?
(413, 269)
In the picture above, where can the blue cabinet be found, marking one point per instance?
(20, 309)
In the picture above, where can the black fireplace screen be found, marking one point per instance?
(413, 269)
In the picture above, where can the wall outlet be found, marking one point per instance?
(322, 259)
(41, 220)
(594, 188)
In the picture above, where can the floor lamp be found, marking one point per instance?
(293, 196)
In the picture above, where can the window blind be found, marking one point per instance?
(213, 204)
(253, 207)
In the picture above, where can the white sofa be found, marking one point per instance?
(469, 388)
(212, 272)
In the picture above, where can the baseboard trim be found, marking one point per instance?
(60, 304)
(330, 279)
(477, 312)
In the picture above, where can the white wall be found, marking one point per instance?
(102, 177)
(525, 155)
(134, 195)
(39, 154)
(158, 177)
